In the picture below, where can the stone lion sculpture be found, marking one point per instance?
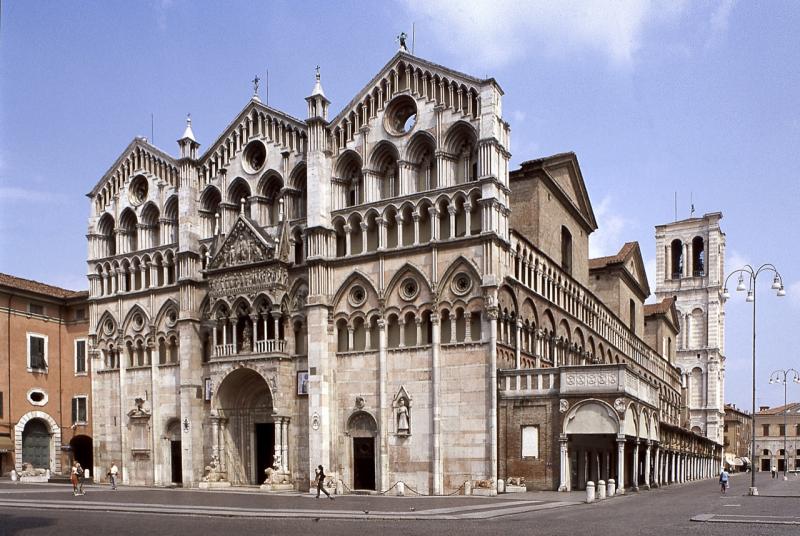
(213, 473)
(516, 481)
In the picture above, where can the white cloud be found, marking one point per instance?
(720, 20)
(494, 32)
(608, 238)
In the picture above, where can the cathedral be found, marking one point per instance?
(378, 293)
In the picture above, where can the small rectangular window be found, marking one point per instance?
(781, 429)
(80, 356)
(530, 441)
(79, 410)
(80, 314)
(35, 309)
(765, 429)
(37, 352)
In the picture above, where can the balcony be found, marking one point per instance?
(268, 346)
(616, 379)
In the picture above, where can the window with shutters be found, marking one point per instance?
(37, 352)
(80, 356)
(79, 410)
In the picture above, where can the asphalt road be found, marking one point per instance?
(53, 510)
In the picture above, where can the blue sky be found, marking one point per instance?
(698, 98)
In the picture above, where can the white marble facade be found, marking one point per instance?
(307, 292)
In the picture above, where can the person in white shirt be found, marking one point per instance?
(112, 474)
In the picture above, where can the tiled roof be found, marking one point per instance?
(602, 262)
(661, 308)
(40, 288)
(792, 407)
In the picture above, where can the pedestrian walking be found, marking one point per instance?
(73, 477)
(320, 472)
(723, 481)
(112, 475)
(80, 473)
(774, 472)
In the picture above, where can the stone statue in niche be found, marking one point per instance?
(403, 426)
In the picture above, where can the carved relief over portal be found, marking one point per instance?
(242, 246)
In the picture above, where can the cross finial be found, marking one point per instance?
(317, 70)
(255, 82)
(188, 120)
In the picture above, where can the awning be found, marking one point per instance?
(6, 444)
(746, 460)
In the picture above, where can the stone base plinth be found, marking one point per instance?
(516, 489)
(278, 487)
(33, 479)
(483, 492)
(213, 485)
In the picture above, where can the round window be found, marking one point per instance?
(172, 317)
(138, 322)
(109, 326)
(255, 155)
(357, 296)
(137, 191)
(462, 283)
(400, 116)
(409, 289)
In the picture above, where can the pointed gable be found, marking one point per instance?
(245, 244)
(629, 261)
(564, 177)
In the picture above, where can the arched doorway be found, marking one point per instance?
(36, 444)
(244, 403)
(81, 446)
(363, 429)
(175, 458)
(591, 429)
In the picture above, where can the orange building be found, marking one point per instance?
(45, 380)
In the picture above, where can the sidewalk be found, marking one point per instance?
(777, 487)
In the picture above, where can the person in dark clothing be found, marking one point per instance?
(321, 482)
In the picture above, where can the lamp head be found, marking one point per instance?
(740, 287)
(750, 297)
(771, 381)
(776, 283)
(781, 291)
(725, 294)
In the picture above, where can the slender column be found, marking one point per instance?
(367, 337)
(399, 230)
(402, 327)
(647, 465)
(276, 319)
(492, 388)
(438, 471)
(433, 214)
(468, 212)
(233, 330)
(453, 323)
(278, 428)
(518, 343)
(384, 405)
(285, 445)
(215, 435)
(467, 326)
(635, 475)
(223, 429)
(225, 331)
(418, 321)
(621, 465)
(451, 209)
(564, 484)
(416, 218)
(350, 338)
(347, 239)
(364, 227)
(657, 462)
(382, 240)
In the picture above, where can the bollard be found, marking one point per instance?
(612, 487)
(401, 489)
(501, 485)
(468, 487)
(601, 490)
(13, 475)
(339, 488)
(590, 492)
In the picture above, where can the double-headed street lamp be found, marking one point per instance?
(777, 285)
(784, 376)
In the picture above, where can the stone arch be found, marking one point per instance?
(55, 442)
(592, 416)
(404, 271)
(126, 324)
(359, 276)
(630, 425)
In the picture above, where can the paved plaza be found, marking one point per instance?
(694, 508)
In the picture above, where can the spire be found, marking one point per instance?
(188, 133)
(317, 86)
(187, 142)
(317, 101)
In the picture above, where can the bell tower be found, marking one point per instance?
(690, 265)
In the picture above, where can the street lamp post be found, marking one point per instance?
(782, 376)
(777, 284)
